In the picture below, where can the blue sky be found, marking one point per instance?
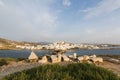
(81, 21)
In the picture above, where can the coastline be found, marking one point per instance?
(59, 49)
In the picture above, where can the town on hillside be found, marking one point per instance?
(61, 45)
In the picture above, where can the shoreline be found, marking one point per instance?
(61, 50)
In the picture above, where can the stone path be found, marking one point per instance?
(16, 67)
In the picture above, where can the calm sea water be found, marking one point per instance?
(99, 51)
(22, 53)
(26, 53)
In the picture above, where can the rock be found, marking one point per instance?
(80, 58)
(43, 60)
(97, 59)
(93, 56)
(75, 55)
(54, 58)
(65, 58)
(86, 57)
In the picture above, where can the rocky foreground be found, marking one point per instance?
(22, 65)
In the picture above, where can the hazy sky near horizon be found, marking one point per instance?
(84, 21)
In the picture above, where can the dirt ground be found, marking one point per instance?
(115, 67)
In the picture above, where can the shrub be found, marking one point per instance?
(20, 59)
(3, 62)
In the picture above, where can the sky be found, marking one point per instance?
(79, 21)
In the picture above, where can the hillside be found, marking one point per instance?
(6, 44)
(9, 44)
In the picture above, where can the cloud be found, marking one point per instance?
(1, 3)
(90, 30)
(46, 20)
(41, 20)
(107, 35)
(23, 20)
(66, 3)
(103, 7)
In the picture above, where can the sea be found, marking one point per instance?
(39, 53)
